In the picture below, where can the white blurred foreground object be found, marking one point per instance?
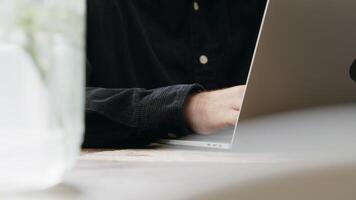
(42, 85)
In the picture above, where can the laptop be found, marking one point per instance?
(305, 57)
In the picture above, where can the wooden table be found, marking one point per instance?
(299, 155)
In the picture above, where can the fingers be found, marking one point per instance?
(232, 118)
(237, 98)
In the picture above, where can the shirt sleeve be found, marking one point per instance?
(135, 116)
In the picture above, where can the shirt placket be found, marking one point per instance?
(204, 69)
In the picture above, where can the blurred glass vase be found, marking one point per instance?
(42, 89)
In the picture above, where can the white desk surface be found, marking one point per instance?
(286, 156)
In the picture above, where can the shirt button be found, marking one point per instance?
(203, 59)
(195, 6)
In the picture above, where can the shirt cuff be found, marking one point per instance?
(165, 109)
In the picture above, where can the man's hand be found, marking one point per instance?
(207, 112)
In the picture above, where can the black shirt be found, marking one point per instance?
(146, 56)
